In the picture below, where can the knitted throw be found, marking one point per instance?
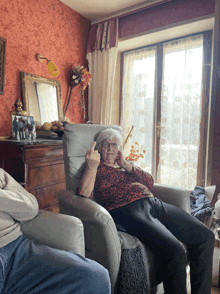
(134, 267)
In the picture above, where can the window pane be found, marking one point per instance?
(138, 95)
(181, 111)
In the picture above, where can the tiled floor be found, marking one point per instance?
(215, 290)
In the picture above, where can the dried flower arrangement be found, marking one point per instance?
(135, 153)
(79, 75)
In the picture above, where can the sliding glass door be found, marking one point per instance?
(162, 99)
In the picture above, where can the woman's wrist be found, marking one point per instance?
(127, 166)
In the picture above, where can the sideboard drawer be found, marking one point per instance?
(43, 153)
(39, 176)
(48, 197)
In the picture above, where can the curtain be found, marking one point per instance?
(102, 55)
(181, 111)
(138, 102)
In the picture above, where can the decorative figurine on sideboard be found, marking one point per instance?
(23, 127)
(18, 109)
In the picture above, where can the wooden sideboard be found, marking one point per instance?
(38, 165)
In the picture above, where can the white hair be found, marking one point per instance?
(106, 135)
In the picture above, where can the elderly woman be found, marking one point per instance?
(125, 191)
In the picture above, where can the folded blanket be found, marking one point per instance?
(200, 205)
(134, 267)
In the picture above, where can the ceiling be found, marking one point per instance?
(97, 10)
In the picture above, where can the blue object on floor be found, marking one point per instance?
(200, 205)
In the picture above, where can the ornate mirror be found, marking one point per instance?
(41, 98)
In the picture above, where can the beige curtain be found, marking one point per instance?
(102, 56)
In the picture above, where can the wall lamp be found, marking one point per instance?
(51, 67)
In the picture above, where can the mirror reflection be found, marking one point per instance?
(41, 98)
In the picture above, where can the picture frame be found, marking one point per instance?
(2, 64)
(23, 127)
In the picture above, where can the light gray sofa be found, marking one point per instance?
(102, 242)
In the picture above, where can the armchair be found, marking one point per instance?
(59, 231)
(102, 242)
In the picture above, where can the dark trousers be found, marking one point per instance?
(163, 228)
(30, 268)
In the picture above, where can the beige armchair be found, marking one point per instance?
(102, 242)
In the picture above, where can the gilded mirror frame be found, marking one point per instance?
(27, 78)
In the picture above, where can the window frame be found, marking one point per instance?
(203, 154)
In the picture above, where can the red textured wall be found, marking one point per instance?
(163, 15)
(50, 28)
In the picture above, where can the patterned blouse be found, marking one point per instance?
(115, 187)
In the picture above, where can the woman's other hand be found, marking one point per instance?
(92, 157)
(120, 160)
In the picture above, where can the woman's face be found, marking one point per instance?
(109, 151)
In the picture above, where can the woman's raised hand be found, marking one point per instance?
(87, 182)
(92, 157)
